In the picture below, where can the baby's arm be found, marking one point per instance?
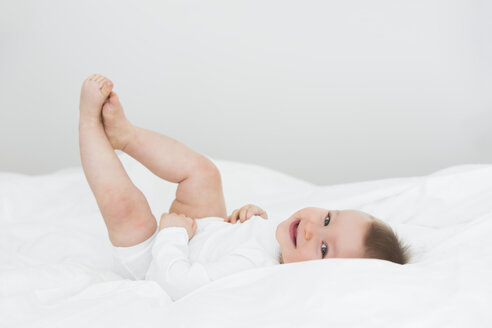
(172, 268)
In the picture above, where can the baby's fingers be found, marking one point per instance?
(233, 217)
(243, 215)
(228, 219)
(194, 226)
(262, 213)
(255, 210)
(248, 212)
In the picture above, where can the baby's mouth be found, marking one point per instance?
(293, 231)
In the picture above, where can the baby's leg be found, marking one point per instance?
(199, 193)
(124, 208)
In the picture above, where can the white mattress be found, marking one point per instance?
(55, 261)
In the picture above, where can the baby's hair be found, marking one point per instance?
(382, 243)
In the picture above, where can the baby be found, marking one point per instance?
(197, 242)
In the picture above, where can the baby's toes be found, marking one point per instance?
(93, 77)
(105, 86)
(95, 91)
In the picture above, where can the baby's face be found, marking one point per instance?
(316, 233)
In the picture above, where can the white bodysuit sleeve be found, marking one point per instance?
(172, 269)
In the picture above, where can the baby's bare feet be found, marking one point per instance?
(118, 129)
(95, 90)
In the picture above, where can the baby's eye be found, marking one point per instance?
(327, 220)
(324, 250)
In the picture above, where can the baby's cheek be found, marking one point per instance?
(299, 255)
(306, 254)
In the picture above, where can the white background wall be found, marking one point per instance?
(328, 91)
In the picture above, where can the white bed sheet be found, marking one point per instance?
(56, 268)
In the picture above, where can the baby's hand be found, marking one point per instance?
(244, 213)
(178, 220)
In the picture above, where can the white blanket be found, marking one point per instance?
(56, 269)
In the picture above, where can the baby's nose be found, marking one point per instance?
(308, 233)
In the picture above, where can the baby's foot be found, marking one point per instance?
(95, 90)
(118, 129)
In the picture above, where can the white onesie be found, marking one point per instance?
(217, 249)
